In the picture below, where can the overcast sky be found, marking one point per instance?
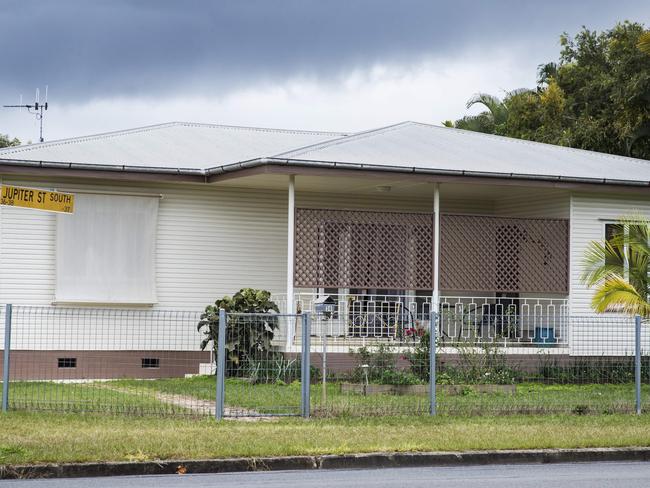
(328, 64)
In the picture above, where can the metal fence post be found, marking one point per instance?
(5, 359)
(433, 329)
(221, 365)
(637, 362)
(305, 364)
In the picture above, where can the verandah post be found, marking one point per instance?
(433, 328)
(305, 378)
(221, 365)
(5, 358)
(637, 362)
(291, 234)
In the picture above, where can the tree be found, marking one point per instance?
(618, 268)
(644, 42)
(5, 141)
(492, 120)
(596, 97)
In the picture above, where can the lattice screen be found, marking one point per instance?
(363, 249)
(480, 253)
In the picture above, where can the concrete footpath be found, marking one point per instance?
(346, 461)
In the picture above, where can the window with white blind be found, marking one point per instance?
(105, 250)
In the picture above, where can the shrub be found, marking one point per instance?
(248, 337)
(381, 362)
(478, 363)
(419, 358)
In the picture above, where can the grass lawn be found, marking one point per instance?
(528, 398)
(85, 397)
(195, 396)
(51, 437)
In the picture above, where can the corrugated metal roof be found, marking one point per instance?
(206, 149)
(424, 146)
(171, 145)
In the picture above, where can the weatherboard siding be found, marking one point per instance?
(210, 242)
(390, 202)
(589, 213)
(536, 204)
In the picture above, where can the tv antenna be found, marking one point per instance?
(37, 109)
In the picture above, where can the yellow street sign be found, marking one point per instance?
(36, 198)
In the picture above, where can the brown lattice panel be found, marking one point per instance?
(391, 250)
(363, 249)
(480, 253)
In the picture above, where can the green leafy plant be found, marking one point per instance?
(419, 357)
(617, 268)
(248, 337)
(379, 365)
(480, 363)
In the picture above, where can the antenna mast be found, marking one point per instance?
(37, 109)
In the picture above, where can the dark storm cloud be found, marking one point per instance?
(85, 49)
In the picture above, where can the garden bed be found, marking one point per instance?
(374, 389)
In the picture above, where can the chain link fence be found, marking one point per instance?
(326, 364)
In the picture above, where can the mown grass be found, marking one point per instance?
(49, 437)
(528, 398)
(85, 397)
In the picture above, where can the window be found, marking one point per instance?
(151, 362)
(613, 235)
(67, 362)
(105, 251)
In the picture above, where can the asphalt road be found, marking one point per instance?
(587, 475)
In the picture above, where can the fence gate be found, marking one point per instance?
(254, 377)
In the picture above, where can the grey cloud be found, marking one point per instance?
(110, 48)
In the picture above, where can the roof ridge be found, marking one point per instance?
(535, 143)
(147, 128)
(90, 137)
(262, 129)
(340, 140)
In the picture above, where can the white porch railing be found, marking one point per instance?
(525, 321)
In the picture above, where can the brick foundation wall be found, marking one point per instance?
(44, 365)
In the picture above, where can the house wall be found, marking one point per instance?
(210, 242)
(381, 201)
(589, 213)
(544, 204)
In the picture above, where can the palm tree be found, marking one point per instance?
(618, 268)
(496, 107)
(496, 114)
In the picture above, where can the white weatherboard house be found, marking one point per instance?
(385, 222)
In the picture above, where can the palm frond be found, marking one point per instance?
(490, 102)
(601, 260)
(518, 91)
(495, 106)
(619, 268)
(617, 295)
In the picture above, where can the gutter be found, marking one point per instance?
(101, 167)
(229, 168)
(304, 163)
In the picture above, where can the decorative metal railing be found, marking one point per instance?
(526, 321)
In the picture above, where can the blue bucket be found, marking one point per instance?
(545, 336)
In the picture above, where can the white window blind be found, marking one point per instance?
(105, 251)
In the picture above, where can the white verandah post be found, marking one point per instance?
(290, 304)
(435, 299)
